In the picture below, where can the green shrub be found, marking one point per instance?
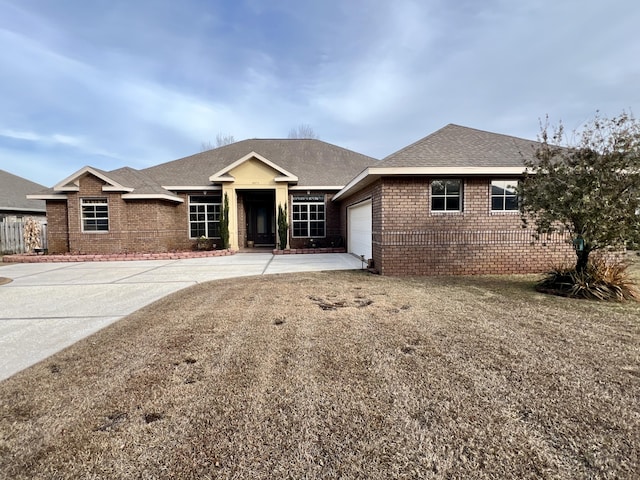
(283, 226)
(224, 224)
(603, 279)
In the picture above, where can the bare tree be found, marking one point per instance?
(205, 146)
(222, 139)
(589, 189)
(303, 131)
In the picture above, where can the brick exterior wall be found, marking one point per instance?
(142, 226)
(333, 231)
(242, 221)
(149, 226)
(57, 229)
(373, 192)
(409, 239)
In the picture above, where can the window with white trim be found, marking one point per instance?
(308, 216)
(204, 216)
(446, 195)
(95, 214)
(504, 196)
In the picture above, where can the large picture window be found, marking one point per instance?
(204, 216)
(308, 216)
(504, 197)
(446, 195)
(95, 214)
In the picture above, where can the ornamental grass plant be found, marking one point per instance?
(605, 278)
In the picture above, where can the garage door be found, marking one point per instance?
(359, 229)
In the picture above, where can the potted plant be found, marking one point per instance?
(202, 243)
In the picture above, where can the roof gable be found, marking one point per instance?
(225, 175)
(72, 182)
(132, 184)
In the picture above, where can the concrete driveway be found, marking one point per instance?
(49, 306)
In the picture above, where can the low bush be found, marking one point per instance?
(603, 279)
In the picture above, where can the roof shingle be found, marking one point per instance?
(13, 192)
(456, 146)
(314, 162)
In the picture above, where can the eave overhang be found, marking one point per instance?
(371, 174)
(191, 188)
(317, 187)
(152, 196)
(47, 196)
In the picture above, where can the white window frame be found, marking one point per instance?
(213, 208)
(308, 220)
(90, 214)
(504, 185)
(447, 195)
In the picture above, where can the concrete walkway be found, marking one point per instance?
(49, 306)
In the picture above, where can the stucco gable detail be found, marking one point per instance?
(251, 165)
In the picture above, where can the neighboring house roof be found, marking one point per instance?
(452, 150)
(13, 194)
(314, 162)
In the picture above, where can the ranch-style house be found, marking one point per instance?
(444, 205)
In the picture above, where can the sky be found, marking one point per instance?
(113, 83)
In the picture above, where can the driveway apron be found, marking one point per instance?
(49, 306)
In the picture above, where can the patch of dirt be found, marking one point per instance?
(4, 280)
(112, 422)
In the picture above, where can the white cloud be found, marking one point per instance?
(88, 84)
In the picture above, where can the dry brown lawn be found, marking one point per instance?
(338, 375)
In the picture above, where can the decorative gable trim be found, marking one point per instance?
(224, 175)
(72, 182)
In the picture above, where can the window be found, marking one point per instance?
(503, 195)
(308, 216)
(204, 216)
(446, 195)
(95, 214)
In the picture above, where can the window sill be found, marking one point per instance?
(438, 213)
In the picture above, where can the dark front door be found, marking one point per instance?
(260, 211)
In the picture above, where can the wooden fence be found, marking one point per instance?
(12, 237)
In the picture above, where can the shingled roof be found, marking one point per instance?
(314, 162)
(13, 191)
(141, 184)
(452, 150)
(456, 146)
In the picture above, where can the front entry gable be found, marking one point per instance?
(253, 169)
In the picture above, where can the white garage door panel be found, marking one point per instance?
(359, 229)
